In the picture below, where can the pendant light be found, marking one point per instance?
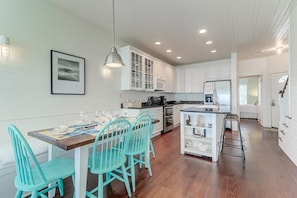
(113, 59)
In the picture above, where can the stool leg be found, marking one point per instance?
(241, 142)
(223, 136)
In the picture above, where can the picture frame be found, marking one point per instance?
(67, 74)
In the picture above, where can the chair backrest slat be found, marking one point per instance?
(152, 114)
(141, 132)
(24, 158)
(112, 143)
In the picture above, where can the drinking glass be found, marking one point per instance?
(83, 116)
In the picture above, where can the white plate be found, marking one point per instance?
(62, 129)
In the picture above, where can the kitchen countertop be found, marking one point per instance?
(220, 110)
(169, 103)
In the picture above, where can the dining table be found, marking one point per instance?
(80, 141)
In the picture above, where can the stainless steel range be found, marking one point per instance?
(167, 111)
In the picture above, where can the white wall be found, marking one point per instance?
(289, 143)
(34, 28)
(264, 67)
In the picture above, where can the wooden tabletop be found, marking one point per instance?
(69, 142)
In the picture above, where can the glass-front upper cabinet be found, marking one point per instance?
(136, 71)
(149, 75)
(137, 74)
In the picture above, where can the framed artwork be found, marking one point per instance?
(67, 74)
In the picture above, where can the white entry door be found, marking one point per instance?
(276, 86)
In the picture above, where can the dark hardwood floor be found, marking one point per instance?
(268, 171)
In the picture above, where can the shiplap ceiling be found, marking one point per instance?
(252, 28)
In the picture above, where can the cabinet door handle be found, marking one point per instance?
(285, 125)
(289, 117)
(280, 139)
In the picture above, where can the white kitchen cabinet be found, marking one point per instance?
(200, 133)
(149, 74)
(225, 71)
(159, 125)
(219, 70)
(138, 71)
(165, 72)
(176, 114)
(158, 72)
(159, 115)
(180, 79)
(169, 72)
(194, 79)
(190, 79)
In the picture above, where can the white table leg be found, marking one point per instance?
(53, 152)
(81, 170)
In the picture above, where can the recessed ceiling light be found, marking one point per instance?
(208, 42)
(202, 31)
(213, 51)
(168, 51)
(158, 43)
(179, 57)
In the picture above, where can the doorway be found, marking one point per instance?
(249, 97)
(278, 81)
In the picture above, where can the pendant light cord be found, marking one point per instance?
(113, 22)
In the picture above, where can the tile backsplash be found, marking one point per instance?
(143, 96)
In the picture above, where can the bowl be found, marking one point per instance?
(202, 147)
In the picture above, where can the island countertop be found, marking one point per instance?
(219, 110)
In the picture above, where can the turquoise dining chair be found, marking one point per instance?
(139, 146)
(153, 116)
(31, 176)
(109, 155)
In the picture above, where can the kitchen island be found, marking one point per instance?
(201, 129)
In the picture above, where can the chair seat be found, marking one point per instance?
(56, 168)
(33, 176)
(108, 156)
(139, 145)
(106, 166)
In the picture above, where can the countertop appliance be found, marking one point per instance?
(161, 100)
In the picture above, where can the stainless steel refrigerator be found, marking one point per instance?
(217, 92)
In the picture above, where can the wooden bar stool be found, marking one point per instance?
(232, 142)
